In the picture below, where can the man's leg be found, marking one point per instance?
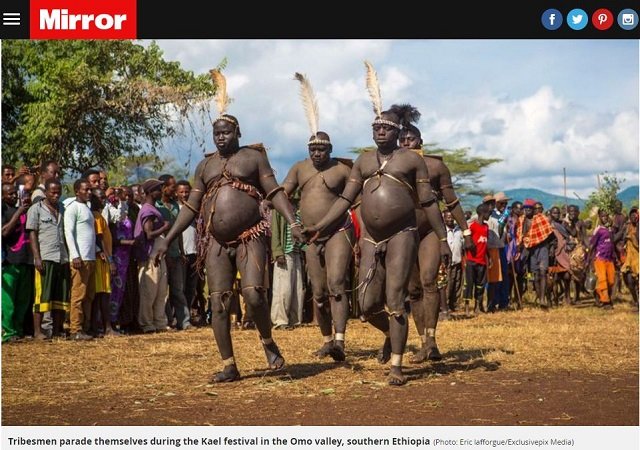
(429, 262)
(297, 290)
(11, 275)
(371, 280)
(316, 271)
(338, 255)
(177, 273)
(251, 264)
(281, 294)
(400, 258)
(454, 282)
(221, 274)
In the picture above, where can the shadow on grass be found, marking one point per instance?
(300, 371)
(456, 361)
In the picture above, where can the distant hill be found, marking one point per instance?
(629, 197)
(547, 199)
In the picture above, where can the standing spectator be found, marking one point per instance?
(138, 194)
(104, 268)
(177, 271)
(454, 276)
(50, 258)
(122, 233)
(80, 236)
(288, 292)
(103, 182)
(517, 268)
(602, 254)
(577, 249)
(93, 178)
(559, 257)
(498, 292)
(129, 311)
(49, 170)
(17, 268)
(537, 240)
(476, 260)
(8, 174)
(630, 267)
(189, 240)
(152, 278)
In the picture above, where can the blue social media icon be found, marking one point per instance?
(577, 19)
(551, 19)
(628, 19)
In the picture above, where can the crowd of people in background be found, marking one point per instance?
(80, 268)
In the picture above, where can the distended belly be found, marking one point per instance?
(235, 212)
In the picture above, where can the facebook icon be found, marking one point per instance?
(551, 19)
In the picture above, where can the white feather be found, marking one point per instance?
(309, 103)
(373, 86)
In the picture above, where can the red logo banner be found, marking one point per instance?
(83, 19)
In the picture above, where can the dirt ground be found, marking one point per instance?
(567, 366)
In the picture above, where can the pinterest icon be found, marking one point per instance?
(602, 19)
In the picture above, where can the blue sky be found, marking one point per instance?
(540, 105)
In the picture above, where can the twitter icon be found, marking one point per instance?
(577, 19)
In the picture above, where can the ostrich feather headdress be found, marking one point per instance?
(222, 99)
(310, 105)
(373, 86)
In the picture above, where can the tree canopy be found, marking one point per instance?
(89, 103)
(606, 196)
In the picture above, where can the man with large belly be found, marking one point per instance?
(393, 182)
(321, 179)
(423, 290)
(228, 188)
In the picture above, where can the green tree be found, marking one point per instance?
(466, 171)
(605, 197)
(88, 103)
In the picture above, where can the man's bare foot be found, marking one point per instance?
(229, 373)
(384, 354)
(274, 357)
(396, 377)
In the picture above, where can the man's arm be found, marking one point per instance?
(344, 200)
(452, 202)
(427, 198)
(191, 209)
(149, 232)
(70, 231)
(185, 216)
(35, 250)
(290, 182)
(10, 226)
(275, 193)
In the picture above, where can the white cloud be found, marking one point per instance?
(539, 110)
(538, 136)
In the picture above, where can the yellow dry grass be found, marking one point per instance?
(140, 370)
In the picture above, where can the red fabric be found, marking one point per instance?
(479, 235)
(356, 224)
(540, 230)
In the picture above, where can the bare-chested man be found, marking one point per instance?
(394, 182)
(228, 188)
(423, 292)
(321, 180)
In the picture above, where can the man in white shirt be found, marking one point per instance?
(454, 276)
(80, 235)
